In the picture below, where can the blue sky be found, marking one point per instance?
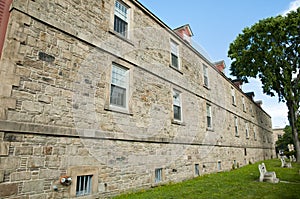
(216, 24)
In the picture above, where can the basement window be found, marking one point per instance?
(158, 175)
(84, 185)
(197, 171)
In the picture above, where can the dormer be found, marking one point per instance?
(184, 32)
(220, 65)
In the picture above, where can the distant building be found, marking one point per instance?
(102, 97)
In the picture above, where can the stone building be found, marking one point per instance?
(101, 97)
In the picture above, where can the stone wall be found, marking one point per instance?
(55, 114)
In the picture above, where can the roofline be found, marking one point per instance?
(171, 31)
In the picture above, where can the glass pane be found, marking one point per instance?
(118, 96)
(174, 60)
(177, 112)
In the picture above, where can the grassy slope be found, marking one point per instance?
(240, 183)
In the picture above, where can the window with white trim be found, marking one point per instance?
(177, 105)
(219, 166)
(197, 170)
(174, 54)
(208, 116)
(84, 185)
(244, 105)
(158, 175)
(121, 18)
(205, 75)
(236, 126)
(119, 86)
(247, 130)
(233, 96)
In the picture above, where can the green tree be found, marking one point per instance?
(270, 50)
(287, 138)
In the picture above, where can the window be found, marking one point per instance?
(205, 75)
(279, 136)
(233, 96)
(197, 171)
(83, 185)
(119, 86)
(208, 116)
(236, 126)
(158, 175)
(121, 18)
(174, 54)
(247, 130)
(244, 105)
(245, 151)
(219, 166)
(177, 105)
(254, 133)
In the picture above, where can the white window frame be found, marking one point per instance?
(119, 80)
(122, 12)
(177, 103)
(243, 104)
(158, 175)
(84, 185)
(205, 76)
(236, 126)
(174, 50)
(219, 165)
(197, 169)
(233, 99)
(247, 130)
(208, 116)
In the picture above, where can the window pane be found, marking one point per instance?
(118, 96)
(83, 185)
(120, 26)
(177, 112)
(174, 60)
(208, 122)
(121, 11)
(174, 48)
(119, 76)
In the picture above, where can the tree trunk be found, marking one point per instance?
(292, 120)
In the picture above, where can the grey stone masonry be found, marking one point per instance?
(58, 68)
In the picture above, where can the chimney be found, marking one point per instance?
(184, 32)
(238, 83)
(259, 103)
(251, 95)
(220, 65)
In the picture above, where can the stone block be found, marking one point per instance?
(49, 174)
(32, 107)
(5, 90)
(9, 163)
(45, 98)
(4, 148)
(8, 189)
(13, 137)
(32, 86)
(25, 150)
(18, 176)
(34, 186)
(8, 102)
(36, 162)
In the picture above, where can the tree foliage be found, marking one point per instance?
(270, 50)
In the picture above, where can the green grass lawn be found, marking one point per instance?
(240, 183)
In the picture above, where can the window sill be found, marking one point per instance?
(205, 86)
(121, 37)
(176, 69)
(118, 110)
(210, 129)
(177, 122)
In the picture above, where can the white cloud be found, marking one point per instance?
(292, 7)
